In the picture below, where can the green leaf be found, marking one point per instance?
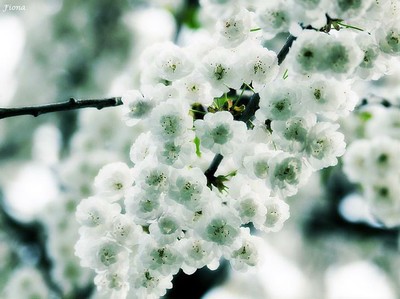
(197, 143)
(220, 180)
(191, 18)
(285, 74)
(365, 116)
(221, 101)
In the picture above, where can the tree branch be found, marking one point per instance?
(209, 173)
(251, 108)
(285, 49)
(72, 104)
(248, 113)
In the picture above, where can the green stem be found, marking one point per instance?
(349, 26)
(197, 111)
(251, 88)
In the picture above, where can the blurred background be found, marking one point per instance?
(51, 50)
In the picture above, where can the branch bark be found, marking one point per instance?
(285, 49)
(248, 113)
(72, 104)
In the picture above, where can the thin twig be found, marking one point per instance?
(72, 104)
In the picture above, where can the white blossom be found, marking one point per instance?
(383, 157)
(277, 214)
(291, 135)
(147, 283)
(287, 174)
(100, 254)
(113, 283)
(124, 230)
(177, 153)
(324, 97)
(389, 38)
(26, 282)
(143, 147)
(219, 133)
(247, 254)
(220, 69)
(260, 65)
(113, 180)
(152, 177)
(168, 228)
(373, 65)
(234, 29)
(250, 204)
(349, 9)
(170, 120)
(324, 144)
(95, 211)
(279, 102)
(136, 107)
(172, 62)
(384, 121)
(383, 200)
(195, 89)
(188, 187)
(143, 206)
(355, 160)
(334, 56)
(197, 253)
(164, 259)
(220, 226)
(274, 17)
(257, 165)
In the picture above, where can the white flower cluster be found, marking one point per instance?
(373, 162)
(92, 147)
(62, 230)
(26, 282)
(204, 168)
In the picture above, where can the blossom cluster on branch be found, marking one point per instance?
(372, 162)
(229, 131)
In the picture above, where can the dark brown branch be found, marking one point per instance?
(285, 49)
(210, 172)
(72, 104)
(251, 107)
